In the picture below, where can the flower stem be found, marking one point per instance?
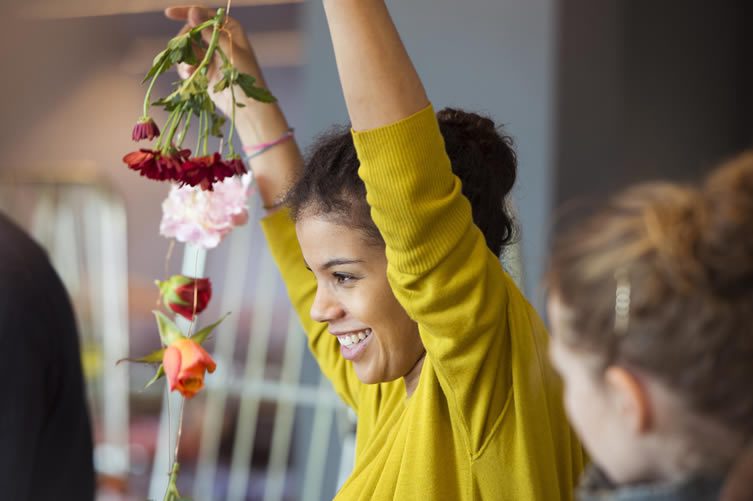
(178, 113)
(172, 494)
(205, 133)
(163, 137)
(216, 21)
(232, 122)
(198, 136)
(186, 125)
(148, 95)
(223, 56)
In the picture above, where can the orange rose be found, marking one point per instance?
(185, 362)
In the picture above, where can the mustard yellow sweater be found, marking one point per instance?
(486, 421)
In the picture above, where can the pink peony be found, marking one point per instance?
(202, 217)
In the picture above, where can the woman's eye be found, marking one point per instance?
(343, 278)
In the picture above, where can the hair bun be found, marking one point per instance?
(727, 232)
(483, 158)
(473, 129)
(466, 121)
(470, 134)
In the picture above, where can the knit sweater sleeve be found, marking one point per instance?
(440, 268)
(301, 287)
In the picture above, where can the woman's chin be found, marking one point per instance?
(365, 375)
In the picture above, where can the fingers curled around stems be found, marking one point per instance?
(188, 13)
(197, 15)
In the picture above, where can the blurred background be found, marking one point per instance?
(597, 95)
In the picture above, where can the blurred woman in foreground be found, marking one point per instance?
(651, 307)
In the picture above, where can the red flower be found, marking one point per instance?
(171, 164)
(153, 164)
(145, 129)
(204, 171)
(237, 166)
(179, 293)
(185, 363)
(144, 161)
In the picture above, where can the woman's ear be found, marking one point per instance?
(631, 398)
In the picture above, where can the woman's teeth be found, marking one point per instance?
(355, 338)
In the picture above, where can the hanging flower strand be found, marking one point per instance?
(208, 196)
(168, 160)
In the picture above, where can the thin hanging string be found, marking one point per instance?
(195, 302)
(229, 35)
(180, 431)
(190, 329)
(195, 294)
(169, 432)
(232, 46)
(169, 254)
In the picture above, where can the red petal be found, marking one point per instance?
(184, 310)
(136, 157)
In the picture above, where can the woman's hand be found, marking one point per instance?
(233, 42)
(256, 122)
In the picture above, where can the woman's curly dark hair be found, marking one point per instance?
(481, 156)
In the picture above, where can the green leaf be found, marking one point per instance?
(175, 56)
(248, 84)
(197, 85)
(202, 335)
(195, 36)
(217, 123)
(157, 375)
(168, 331)
(223, 84)
(153, 358)
(188, 56)
(207, 104)
(229, 77)
(169, 102)
(158, 66)
(177, 41)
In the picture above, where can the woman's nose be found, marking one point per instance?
(326, 307)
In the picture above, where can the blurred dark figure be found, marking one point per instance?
(45, 434)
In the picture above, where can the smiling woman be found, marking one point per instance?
(354, 298)
(389, 246)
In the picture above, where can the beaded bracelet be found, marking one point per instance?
(261, 148)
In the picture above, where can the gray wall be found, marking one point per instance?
(650, 90)
(490, 56)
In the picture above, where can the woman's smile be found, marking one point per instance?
(354, 298)
(353, 343)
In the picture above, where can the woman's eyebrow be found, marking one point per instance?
(339, 261)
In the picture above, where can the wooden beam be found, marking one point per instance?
(55, 9)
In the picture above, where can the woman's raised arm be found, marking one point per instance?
(380, 84)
